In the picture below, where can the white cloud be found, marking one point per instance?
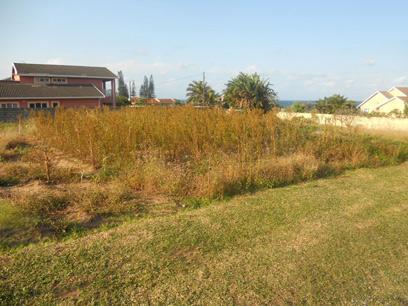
(402, 80)
(251, 69)
(55, 61)
(370, 62)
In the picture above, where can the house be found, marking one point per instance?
(153, 101)
(395, 99)
(160, 101)
(45, 86)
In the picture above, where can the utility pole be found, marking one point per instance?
(130, 90)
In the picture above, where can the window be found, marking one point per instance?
(55, 104)
(59, 81)
(42, 80)
(9, 105)
(37, 105)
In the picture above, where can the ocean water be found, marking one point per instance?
(288, 103)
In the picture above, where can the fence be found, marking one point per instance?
(374, 123)
(14, 114)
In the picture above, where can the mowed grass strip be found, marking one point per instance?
(340, 240)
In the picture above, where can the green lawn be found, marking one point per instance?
(341, 240)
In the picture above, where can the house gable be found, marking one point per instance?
(399, 91)
(396, 103)
(375, 100)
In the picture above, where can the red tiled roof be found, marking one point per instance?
(159, 101)
(21, 90)
(403, 90)
(63, 70)
(387, 94)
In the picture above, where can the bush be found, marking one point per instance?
(186, 152)
(18, 143)
(299, 107)
(122, 101)
(46, 207)
(335, 104)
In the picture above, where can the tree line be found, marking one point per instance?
(250, 91)
(245, 91)
(146, 91)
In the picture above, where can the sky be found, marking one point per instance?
(307, 49)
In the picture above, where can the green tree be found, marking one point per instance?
(144, 89)
(299, 107)
(132, 89)
(122, 88)
(200, 93)
(147, 89)
(250, 91)
(122, 101)
(151, 88)
(335, 104)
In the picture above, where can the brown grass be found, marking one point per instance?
(185, 152)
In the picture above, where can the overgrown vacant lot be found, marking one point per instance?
(184, 152)
(339, 240)
(200, 206)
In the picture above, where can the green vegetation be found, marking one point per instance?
(332, 241)
(300, 107)
(200, 93)
(335, 104)
(122, 101)
(147, 89)
(123, 91)
(135, 206)
(250, 91)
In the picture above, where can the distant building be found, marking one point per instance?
(395, 99)
(45, 86)
(153, 101)
(160, 101)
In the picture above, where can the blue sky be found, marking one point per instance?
(307, 49)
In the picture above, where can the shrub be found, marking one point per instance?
(17, 143)
(299, 107)
(185, 152)
(46, 207)
(335, 104)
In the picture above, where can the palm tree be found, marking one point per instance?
(250, 91)
(200, 93)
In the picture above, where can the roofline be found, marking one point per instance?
(389, 100)
(398, 88)
(67, 76)
(15, 68)
(71, 76)
(56, 98)
(378, 91)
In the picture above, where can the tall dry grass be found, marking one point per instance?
(185, 152)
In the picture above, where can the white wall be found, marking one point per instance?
(375, 123)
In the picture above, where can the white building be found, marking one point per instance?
(395, 99)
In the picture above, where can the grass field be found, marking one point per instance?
(185, 206)
(341, 240)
